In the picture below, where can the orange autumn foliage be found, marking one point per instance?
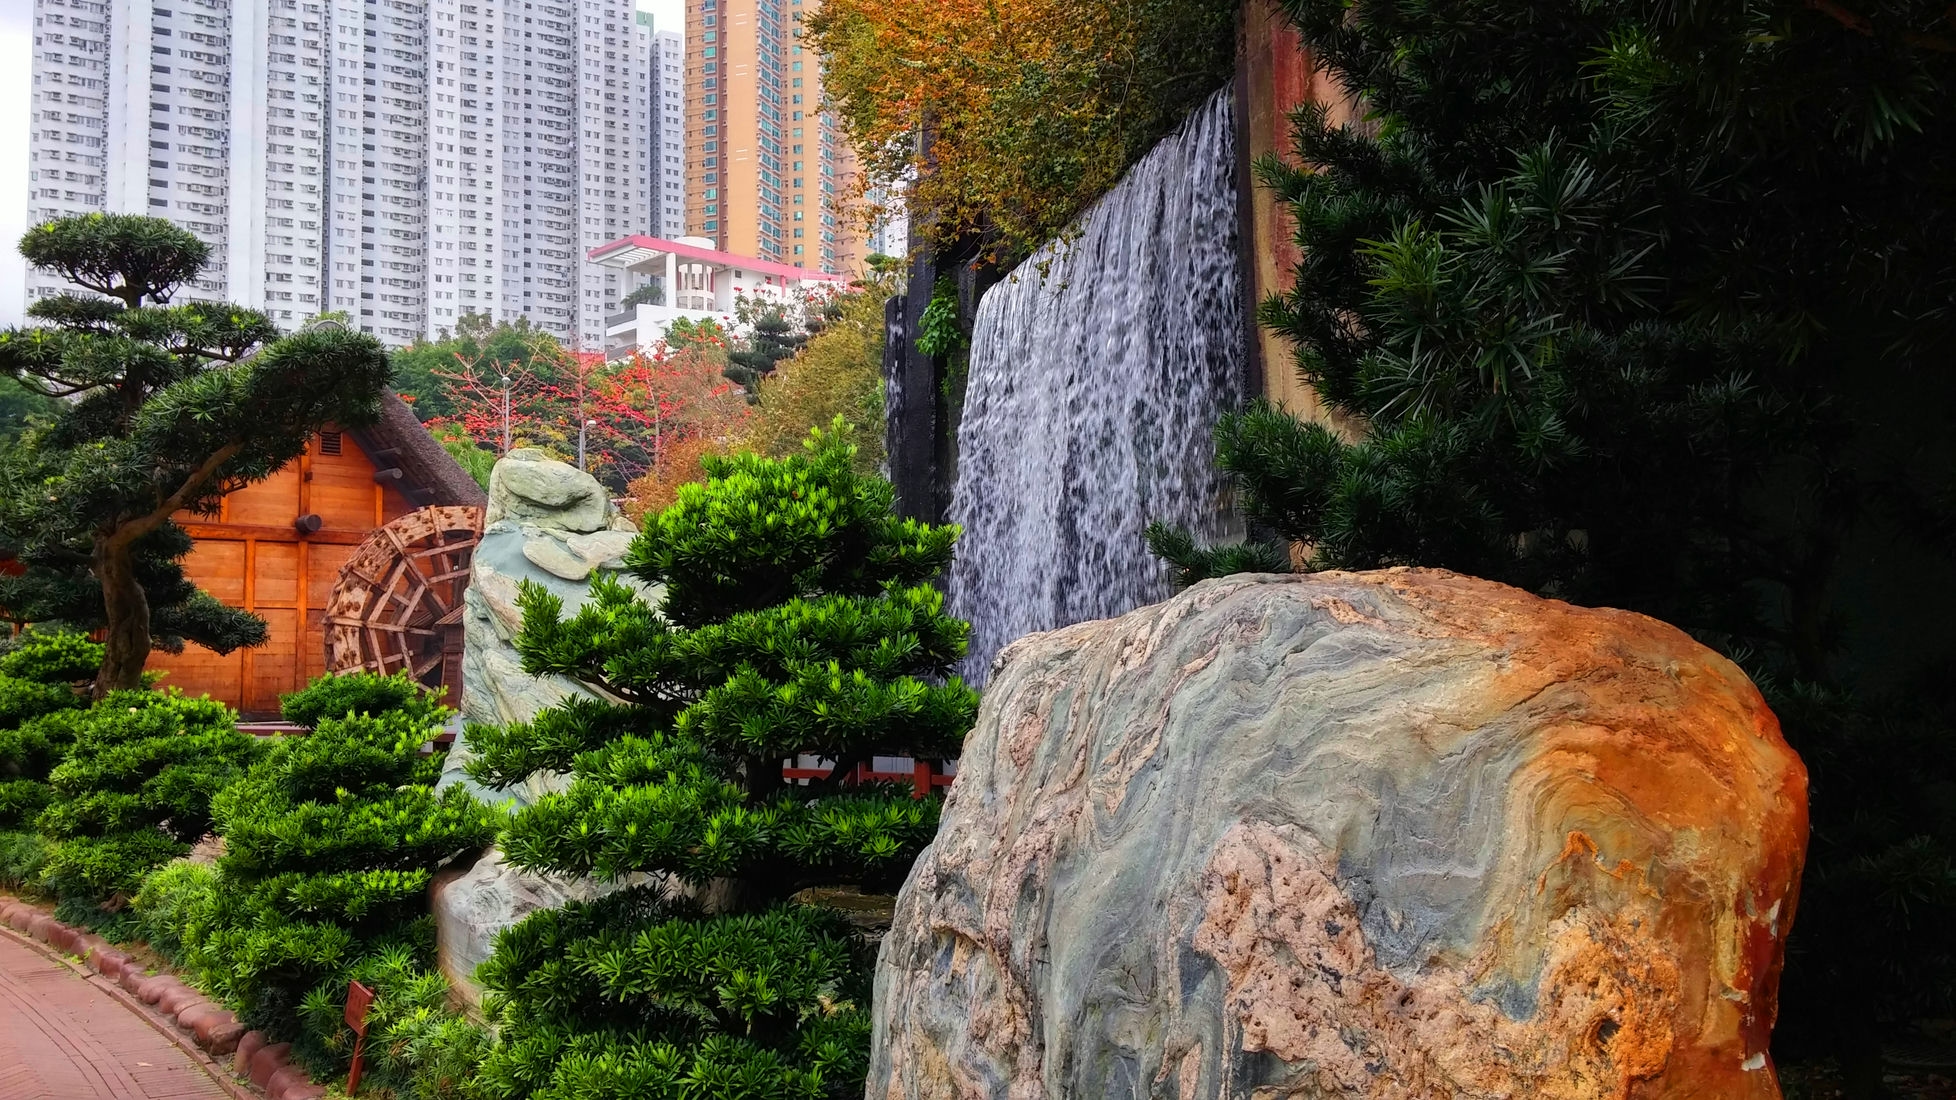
(1034, 107)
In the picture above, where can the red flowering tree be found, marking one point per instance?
(632, 411)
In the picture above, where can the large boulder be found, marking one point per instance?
(528, 486)
(552, 524)
(1392, 835)
(473, 905)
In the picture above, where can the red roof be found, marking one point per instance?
(711, 256)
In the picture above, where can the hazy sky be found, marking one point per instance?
(16, 80)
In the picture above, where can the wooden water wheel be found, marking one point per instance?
(398, 601)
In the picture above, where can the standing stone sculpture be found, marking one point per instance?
(1398, 835)
(553, 524)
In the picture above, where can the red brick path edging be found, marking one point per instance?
(206, 1031)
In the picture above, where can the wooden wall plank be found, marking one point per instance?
(249, 555)
(277, 574)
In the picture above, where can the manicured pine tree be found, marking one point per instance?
(171, 407)
(330, 842)
(135, 791)
(772, 336)
(1648, 307)
(38, 686)
(797, 618)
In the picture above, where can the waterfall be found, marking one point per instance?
(1098, 370)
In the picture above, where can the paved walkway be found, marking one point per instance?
(64, 1037)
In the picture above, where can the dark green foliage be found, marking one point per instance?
(53, 658)
(1648, 306)
(336, 696)
(136, 788)
(798, 618)
(120, 255)
(416, 1046)
(479, 344)
(1879, 896)
(650, 294)
(21, 700)
(21, 407)
(771, 337)
(675, 1004)
(66, 591)
(329, 845)
(173, 406)
(39, 714)
(22, 857)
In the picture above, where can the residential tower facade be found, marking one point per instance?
(403, 161)
(767, 175)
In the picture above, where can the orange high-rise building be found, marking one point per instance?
(767, 174)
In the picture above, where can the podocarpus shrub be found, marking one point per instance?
(330, 843)
(38, 698)
(798, 618)
(136, 788)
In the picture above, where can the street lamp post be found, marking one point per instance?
(581, 429)
(505, 414)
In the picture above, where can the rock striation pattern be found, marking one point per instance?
(550, 523)
(473, 905)
(1397, 835)
(553, 524)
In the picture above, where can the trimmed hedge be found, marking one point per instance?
(331, 840)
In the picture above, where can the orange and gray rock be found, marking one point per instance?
(1398, 835)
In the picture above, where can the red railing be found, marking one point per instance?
(923, 775)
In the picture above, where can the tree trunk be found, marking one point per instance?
(127, 608)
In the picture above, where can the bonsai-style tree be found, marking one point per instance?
(797, 619)
(170, 408)
(37, 687)
(772, 336)
(330, 841)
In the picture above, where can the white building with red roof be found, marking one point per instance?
(698, 283)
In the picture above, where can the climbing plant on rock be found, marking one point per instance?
(798, 618)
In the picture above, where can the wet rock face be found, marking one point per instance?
(1394, 835)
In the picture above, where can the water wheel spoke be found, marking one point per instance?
(398, 601)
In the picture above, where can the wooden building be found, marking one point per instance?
(280, 549)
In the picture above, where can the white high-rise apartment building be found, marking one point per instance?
(406, 161)
(185, 110)
(668, 133)
(374, 160)
(538, 149)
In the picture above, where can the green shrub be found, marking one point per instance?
(417, 1046)
(96, 868)
(336, 696)
(21, 699)
(136, 788)
(175, 902)
(39, 713)
(22, 856)
(28, 752)
(58, 658)
(330, 842)
(798, 618)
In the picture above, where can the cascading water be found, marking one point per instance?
(1093, 397)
